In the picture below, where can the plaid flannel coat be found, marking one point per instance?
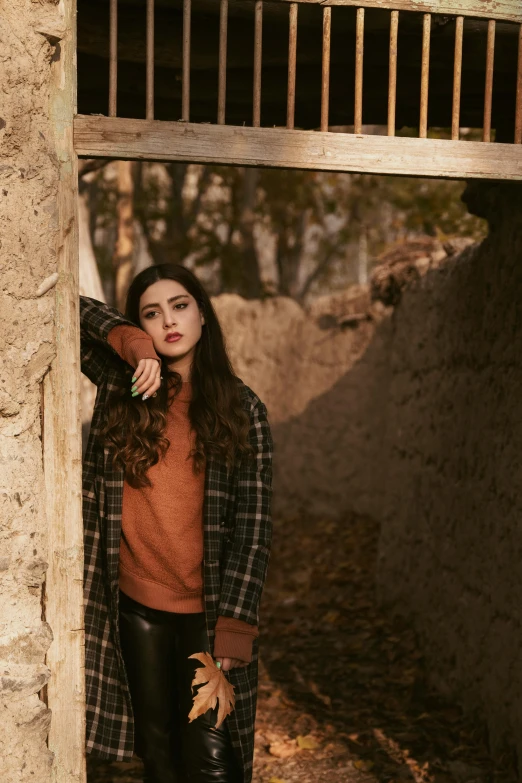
(237, 537)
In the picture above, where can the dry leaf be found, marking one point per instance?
(307, 743)
(217, 689)
(283, 749)
(332, 616)
(363, 765)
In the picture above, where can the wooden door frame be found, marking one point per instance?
(124, 138)
(61, 436)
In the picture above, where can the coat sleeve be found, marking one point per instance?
(96, 321)
(246, 560)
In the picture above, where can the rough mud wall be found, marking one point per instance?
(320, 398)
(420, 428)
(451, 547)
(28, 231)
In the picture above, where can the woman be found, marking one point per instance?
(176, 505)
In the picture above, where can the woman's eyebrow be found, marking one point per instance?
(172, 299)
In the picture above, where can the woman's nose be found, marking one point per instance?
(168, 320)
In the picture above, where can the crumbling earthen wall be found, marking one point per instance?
(421, 428)
(28, 236)
(322, 387)
(451, 544)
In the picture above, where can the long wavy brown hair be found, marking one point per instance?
(135, 429)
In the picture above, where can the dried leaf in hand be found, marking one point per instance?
(217, 690)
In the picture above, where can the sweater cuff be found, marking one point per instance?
(132, 344)
(234, 639)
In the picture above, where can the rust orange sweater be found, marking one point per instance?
(161, 546)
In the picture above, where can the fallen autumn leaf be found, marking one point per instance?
(307, 743)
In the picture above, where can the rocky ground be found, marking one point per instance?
(343, 689)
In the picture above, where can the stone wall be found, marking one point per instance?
(28, 236)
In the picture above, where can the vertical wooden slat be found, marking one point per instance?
(457, 77)
(518, 107)
(222, 76)
(425, 76)
(149, 110)
(113, 57)
(325, 74)
(359, 57)
(488, 90)
(258, 52)
(292, 52)
(62, 441)
(185, 77)
(392, 72)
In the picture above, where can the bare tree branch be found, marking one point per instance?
(86, 166)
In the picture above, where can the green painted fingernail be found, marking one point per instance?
(134, 379)
(134, 388)
(134, 394)
(218, 664)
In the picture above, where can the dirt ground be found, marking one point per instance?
(343, 694)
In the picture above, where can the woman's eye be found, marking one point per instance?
(154, 312)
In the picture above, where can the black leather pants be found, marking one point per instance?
(156, 646)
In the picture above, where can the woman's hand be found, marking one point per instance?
(146, 378)
(230, 663)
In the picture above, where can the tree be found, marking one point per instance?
(262, 231)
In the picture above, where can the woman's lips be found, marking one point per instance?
(173, 338)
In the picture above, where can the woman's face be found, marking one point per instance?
(167, 309)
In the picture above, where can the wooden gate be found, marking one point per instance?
(407, 23)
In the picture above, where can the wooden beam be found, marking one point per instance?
(518, 105)
(185, 74)
(62, 446)
(149, 110)
(359, 63)
(113, 58)
(222, 69)
(425, 76)
(457, 77)
(488, 88)
(258, 60)
(507, 10)
(392, 72)
(325, 69)
(292, 52)
(112, 137)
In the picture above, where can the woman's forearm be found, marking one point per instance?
(132, 344)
